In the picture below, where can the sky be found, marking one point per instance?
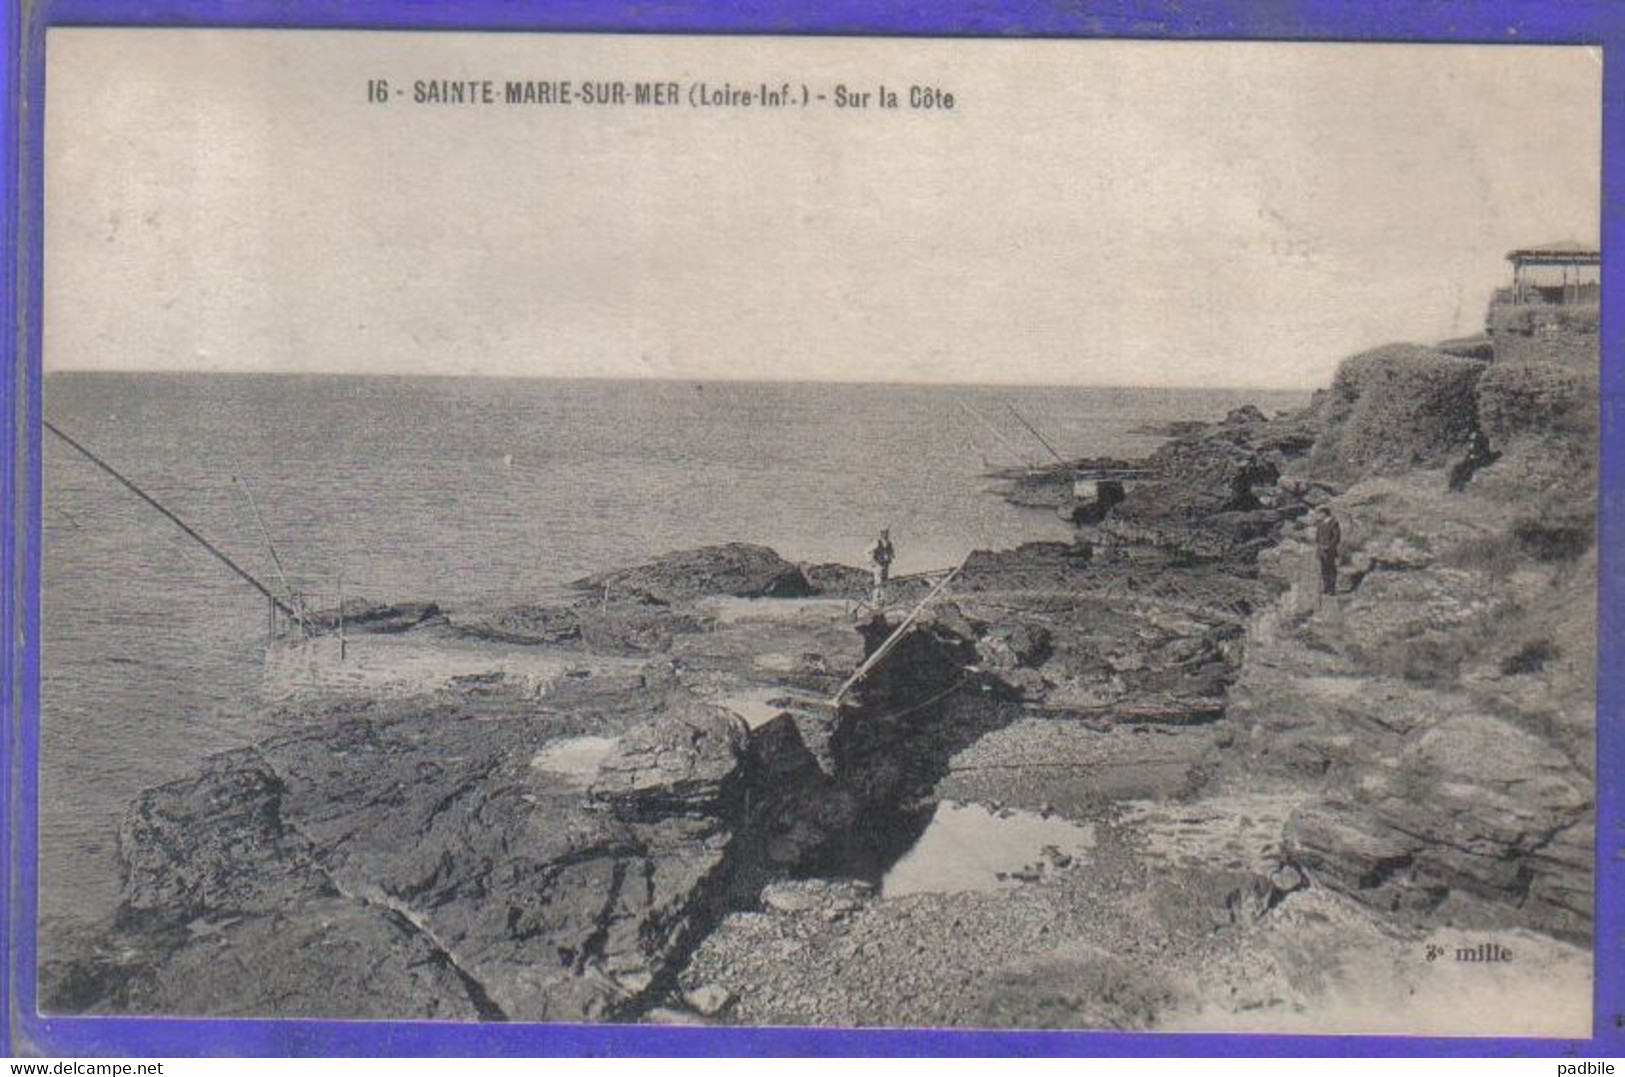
(1101, 213)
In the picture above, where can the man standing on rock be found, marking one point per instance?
(881, 555)
(1478, 456)
(1328, 541)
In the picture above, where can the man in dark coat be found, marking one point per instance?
(881, 555)
(1478, 456)
(1328, 543)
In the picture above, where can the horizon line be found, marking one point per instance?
(673, 379)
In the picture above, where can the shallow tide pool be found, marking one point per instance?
(972, 847)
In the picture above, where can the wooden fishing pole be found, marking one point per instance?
(891, 641)
(923, 575)
(244, 574)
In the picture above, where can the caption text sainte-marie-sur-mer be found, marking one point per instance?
(622, 93)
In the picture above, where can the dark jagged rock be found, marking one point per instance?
(799, 803)
(548, 625)
(1052, 486)
(408, 831)
(1006, 648)
(621, 627)
(687, 762)
(631, 628)
(337, 959)
(856, 584)
(1246, 414)
(737, 570)
(1176, 428)
(234, 832)
(1211, 494)
(364, 615)
(1198, 477)
(423, 846)
(1031, 566)
(838, 581)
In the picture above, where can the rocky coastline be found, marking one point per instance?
(1245, 805)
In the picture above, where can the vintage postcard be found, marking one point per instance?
(790, 531)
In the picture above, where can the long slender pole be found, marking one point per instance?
(1034, 432)
(276, 603)
(927, 574)
(891, 641)
(342, 647)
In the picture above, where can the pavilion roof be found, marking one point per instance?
(1562, 250)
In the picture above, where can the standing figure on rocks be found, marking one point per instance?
(881, 555)
(1478, 455)
(1328, 543)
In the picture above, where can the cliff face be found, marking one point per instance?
(1394, 409)
(1443, 701)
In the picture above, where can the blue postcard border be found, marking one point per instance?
(22, 66)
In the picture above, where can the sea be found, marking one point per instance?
(470, 492)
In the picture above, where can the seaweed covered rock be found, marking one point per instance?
(1393, 409)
